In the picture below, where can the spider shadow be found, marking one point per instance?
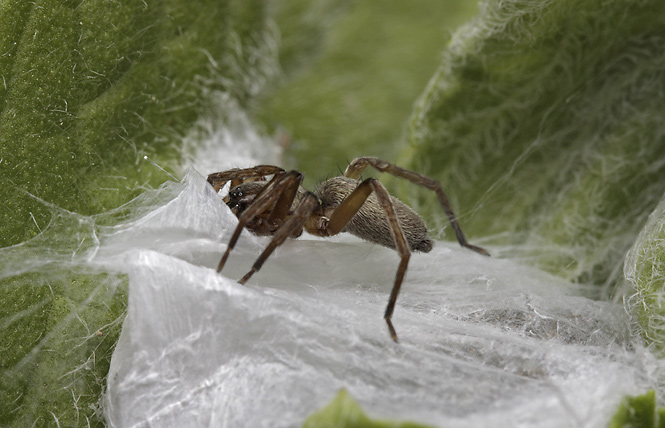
(315, 264)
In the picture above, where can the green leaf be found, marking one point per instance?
(344, 412)
(95, 98)
(639, 412)
(544, 125)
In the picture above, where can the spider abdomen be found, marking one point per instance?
(370, 222)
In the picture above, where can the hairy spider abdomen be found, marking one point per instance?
(370, 221)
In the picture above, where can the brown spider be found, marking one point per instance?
(282, 208)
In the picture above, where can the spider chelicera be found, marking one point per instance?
(282, 208)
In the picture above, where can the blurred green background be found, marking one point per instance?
(542, 120)
(353, 96)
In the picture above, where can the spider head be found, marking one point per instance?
(241, 196)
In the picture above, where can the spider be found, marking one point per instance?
(281, 207)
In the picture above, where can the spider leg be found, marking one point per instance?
(349, 207)
(267, 197)
(283, 204)
(218, 179)
(359, 164)
(292, 226)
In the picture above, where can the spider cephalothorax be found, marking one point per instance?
(282, 208)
